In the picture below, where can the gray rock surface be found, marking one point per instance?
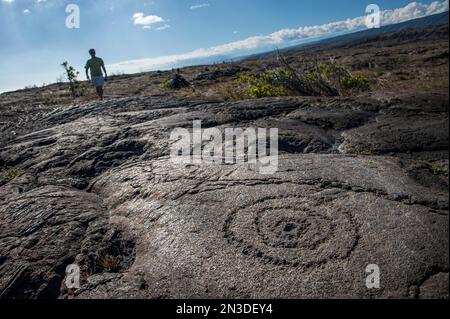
(352, 189)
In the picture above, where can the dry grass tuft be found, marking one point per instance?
(110, 263)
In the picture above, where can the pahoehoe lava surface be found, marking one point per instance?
(98, 180)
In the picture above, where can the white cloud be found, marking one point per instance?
(8, 1)
(164, 27)
(282, 37)
(413, 10)
(26, 11)
(141, 19)
(199, 6)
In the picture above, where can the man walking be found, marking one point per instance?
(96, 66)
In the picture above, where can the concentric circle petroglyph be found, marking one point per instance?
(292, 231)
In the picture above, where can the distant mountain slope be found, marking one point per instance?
(366, 35)
(436, 19)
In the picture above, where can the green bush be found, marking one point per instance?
(284, 73)
(266, 90)
(165, 84)
(276, 76)
(317, 80)
(268, 77)
(247, 79)
(358, 82)
(339, 77)
(263, 85)
(437, 169)
(311, 76)
(332, 71)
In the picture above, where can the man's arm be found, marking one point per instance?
(104, 69)
(87, 71)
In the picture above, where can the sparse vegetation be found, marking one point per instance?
(437, 169)
(330, 79)
(354, 83)
(29, 87)
(110, 263)
(318, 79)
(176, 82)
(75, 88)
(7, 174)
(331, 71)
(261, 86)
(166, 84)
(266, 90)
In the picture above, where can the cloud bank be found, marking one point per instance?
(282, 37)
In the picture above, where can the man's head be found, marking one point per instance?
(92, 53)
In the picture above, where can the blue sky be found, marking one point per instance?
(140, 35)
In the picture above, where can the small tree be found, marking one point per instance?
(71, 74)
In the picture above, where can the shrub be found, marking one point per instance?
(247, 79)
(30, 87)
(110, 263)
(316, 79)
(311, 76)
(332, 71)
(166, 84)
(177, 82)
(329, 79)
(263, 85)
(351, 83)
(437, 169)
(284, 73)
(266, 90)
(338, 76)
(71, 75)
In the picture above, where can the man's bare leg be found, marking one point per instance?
(99, 90)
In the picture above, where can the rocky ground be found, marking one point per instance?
(362, 180)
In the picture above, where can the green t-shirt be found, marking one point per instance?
(95, 64)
